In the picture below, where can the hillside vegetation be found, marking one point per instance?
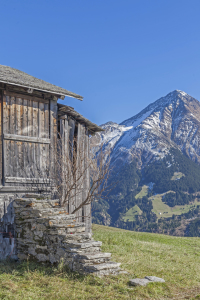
(177, 260)
(158, 198)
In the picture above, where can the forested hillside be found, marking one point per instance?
(163, 206)
(156, 168)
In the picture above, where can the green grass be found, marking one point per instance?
(167, 211)
(131, 213)
(177, 175)
(176, 259)
(159, 206)
(143, 192)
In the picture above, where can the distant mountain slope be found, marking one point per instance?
(158, 148)
(171, 121)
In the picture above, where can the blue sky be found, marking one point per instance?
(120, 55)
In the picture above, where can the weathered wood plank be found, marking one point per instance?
(41, 121)
(5, 114)
(46, 120)
(79, 169)
(12, 116)
(71, 124)
(87, 208)
(24, 116)
(27, 180)
(46, 135)
(30, 118)
(35, 119)
(1, 148)
(21, 189)
(18, 144)
(70, 145)
(23, 138)
(6, 148)
(29, 171)
(66, 160)
(12, 159)
(41, 150)
(53, 138)
(61, 167)
(27, 97)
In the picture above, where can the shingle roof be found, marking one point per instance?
(16, 77)
(68, 110)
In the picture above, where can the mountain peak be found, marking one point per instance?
(179, 92)
(170, 122)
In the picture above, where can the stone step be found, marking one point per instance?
(91, 256)
(47, 211)
(37, 196)
(92, 250)
(27, 202)
(105, 266)
(65, 225)
(76, 237)
(85, 245)
(61, 218)
(60, 211)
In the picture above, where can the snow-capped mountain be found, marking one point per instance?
(171, 121)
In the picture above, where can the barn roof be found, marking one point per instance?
(68, 110)
(15, 77)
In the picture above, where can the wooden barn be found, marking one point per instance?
(32, 124)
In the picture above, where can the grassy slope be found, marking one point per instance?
(130, 214)
(175, 259)
(159, 206)
(177, 175)
(167, 211)
(143, 192)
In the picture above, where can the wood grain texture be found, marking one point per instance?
(15, 137)
(26, 138)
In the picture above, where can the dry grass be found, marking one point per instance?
(175, 259)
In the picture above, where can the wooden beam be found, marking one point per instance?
(24, 138)
(27, 180)
(24, 96)
(21, 189)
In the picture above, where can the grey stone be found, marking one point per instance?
(48, 233)
(38, 233)
(60, 252)
(52, 258)
(40, 247)
(154, 279)
(139, 281)
(32, 251)
(42, 257)
(22, 256)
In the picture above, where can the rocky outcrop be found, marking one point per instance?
(45, 232)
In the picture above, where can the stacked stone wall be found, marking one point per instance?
(45, 232)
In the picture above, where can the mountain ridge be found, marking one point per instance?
(158, 147)
(170, 121)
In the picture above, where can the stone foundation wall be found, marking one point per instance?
(45, 232)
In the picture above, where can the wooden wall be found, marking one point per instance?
(74, 137)
(29, 130)
(29, 150)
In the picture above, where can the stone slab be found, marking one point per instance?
(145, 281)
(139, 281)
(154, 279)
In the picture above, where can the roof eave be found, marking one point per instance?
(72, 95)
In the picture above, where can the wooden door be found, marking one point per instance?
(26, 140)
